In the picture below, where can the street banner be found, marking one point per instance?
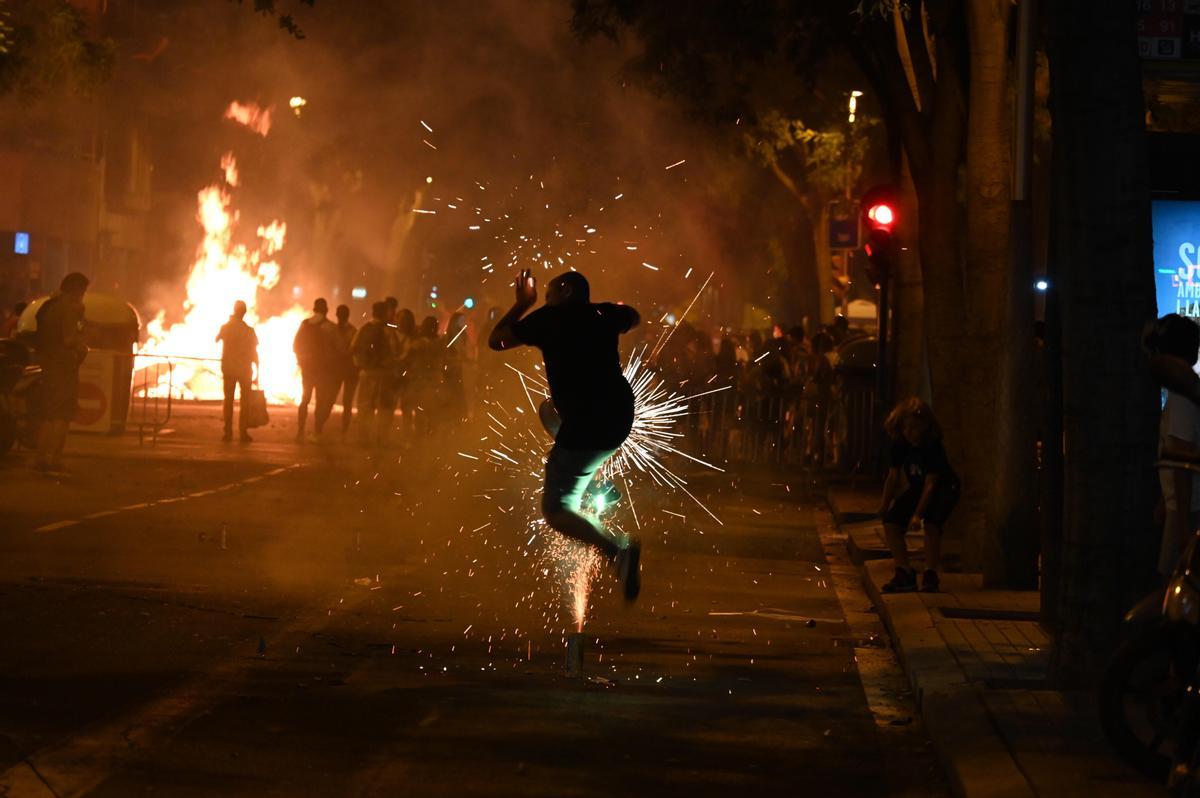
(1177, 257)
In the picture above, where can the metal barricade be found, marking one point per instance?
(781, 427)
(149, 408)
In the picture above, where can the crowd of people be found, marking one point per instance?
(389, 373)
(776, 393)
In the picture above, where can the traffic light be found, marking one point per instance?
(878, 209)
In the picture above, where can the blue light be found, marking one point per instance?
(358, 292)
(469, 303)
(21, 243)
(1041, 285)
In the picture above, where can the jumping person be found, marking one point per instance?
(579, 342)
(929, 494)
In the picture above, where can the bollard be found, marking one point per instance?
(575, 654)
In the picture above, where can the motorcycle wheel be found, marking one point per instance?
(1141, 694)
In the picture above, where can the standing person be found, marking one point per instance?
(817, 395)
(315, 346)
(9, 328)
(60, 351)
(239, 358)
(454, 393)
(1178, 435)
(405, 336)
(347, 372)
(426, 363)
(580, 345)
(372, 353)
(389, 395)
(929, 493)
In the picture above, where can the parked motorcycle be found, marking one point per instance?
(1149, 698)
(20, 381)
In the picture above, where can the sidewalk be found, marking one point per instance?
(977, 662)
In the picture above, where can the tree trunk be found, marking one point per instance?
(1101, 242)
(941, 245)
(988, 273)
(823, 260)
(909, 315)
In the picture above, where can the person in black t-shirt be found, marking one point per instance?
(921, 488)
(579, 342)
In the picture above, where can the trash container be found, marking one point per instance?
(110, 328)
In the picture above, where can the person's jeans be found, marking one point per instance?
(240, 382)
(371, 386)
(325, 388)
(347, 387)
(568, 473)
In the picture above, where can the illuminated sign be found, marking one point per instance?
(21, 243)
(1177, 257)
(358, 292)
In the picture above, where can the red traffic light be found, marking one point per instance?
(881, 215)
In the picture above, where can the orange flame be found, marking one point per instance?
(225, 271)
(250, 115)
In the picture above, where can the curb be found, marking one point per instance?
(974, 756)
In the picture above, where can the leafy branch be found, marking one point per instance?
(271, 8)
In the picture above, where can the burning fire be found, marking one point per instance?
(224, 271)
(250, 115)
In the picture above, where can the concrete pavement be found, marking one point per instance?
(198, 618)
(977, 663)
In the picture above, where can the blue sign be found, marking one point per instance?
(843, 233)
(1177, 257)
(21, 243)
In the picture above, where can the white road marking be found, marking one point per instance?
(57, 525)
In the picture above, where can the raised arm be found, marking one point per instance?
(503, 336)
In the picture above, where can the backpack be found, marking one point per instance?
(372, 349)
(311, 350)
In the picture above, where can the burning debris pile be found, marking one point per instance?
(227, 269)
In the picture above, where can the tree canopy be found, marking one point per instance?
(45, 46)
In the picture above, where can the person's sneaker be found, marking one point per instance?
(227, 437)
(245, 438)
(905, 581)
(629, 570)
(929, 581)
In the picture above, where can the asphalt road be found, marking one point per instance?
(192, 618)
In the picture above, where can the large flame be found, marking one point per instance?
(225, 271)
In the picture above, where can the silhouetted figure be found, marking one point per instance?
(347, 372)
(1178, 435)
(239, 357)
(316, 345)
(579, 342)
(9, 328)
(60, 351)
(373, 354)
(404, 337)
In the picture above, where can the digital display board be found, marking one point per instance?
(1177, 257)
